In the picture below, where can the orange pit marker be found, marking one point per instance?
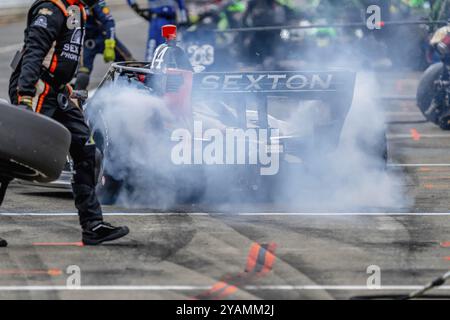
(430, 186)
(436, 178)
(218, 286)
(445, 244)
(252, 257)
(415, 135)
(50, 272)
(227, 292)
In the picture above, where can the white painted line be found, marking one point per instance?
(413, 165)
(404, 113)
(245, 214)
(422, 135)
(112, 214)
(334, 287)
(104, 288)
(204, 287)
(342, 214)
(398, 97)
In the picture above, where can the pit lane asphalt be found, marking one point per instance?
(183, 255)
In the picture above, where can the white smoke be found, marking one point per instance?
(359, 156)
(354, 177)
(133, 123)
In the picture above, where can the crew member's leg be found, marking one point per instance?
(151, 41)
(82, 151)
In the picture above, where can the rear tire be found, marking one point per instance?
(32, 147)
(444, 120)
(427, 91)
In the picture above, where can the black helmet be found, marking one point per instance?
(89, 3)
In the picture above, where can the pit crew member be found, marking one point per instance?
(159, 13)
(39, 83)
(100, 38)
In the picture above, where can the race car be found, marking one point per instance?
(143, 111)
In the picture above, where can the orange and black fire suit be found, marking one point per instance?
(46, 64)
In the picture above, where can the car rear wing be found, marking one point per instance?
(332, 87)
(239, 90)
(306, 84)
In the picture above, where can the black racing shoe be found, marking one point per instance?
(96, 232)
(3, 243)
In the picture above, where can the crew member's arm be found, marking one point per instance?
(144, 13)
(46, 23)
(102, 14)
(133, 4)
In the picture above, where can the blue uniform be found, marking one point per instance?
(100, 23)
(162, 12)
(100, 26)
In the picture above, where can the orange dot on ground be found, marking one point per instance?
(58, 244)
(415, 135)
(445, 244)
(54, 272)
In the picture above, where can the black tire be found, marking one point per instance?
(383, 151)
(379, 150)
(32, 147)
(426, 91)
(108, 188)
(444, 120)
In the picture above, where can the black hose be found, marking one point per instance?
(433, 284)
